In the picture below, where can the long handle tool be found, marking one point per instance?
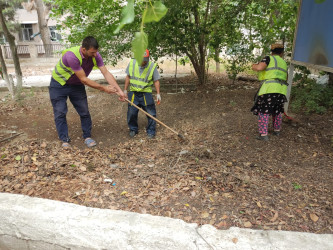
(152, 117)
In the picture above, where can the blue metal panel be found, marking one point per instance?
(314, 37)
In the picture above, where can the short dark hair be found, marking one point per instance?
(89, 42)
(278, 51)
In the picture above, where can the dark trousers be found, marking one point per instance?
(78, 97)
(146, 102)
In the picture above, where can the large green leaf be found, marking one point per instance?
(139, 45)
(154, 13)
(127, 16)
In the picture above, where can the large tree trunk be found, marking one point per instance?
(8, 80)
(11, 40)
(199, 68)
(42, 22)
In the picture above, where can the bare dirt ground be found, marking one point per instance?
(219, 175)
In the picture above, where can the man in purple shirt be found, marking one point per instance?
(68, 80)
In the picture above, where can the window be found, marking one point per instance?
(2, 38)
(55, 36)
(26, 32)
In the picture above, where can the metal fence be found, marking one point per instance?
(50, 50)
(22, 51)
(47, 50)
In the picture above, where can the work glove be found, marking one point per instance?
(125, 92)
(158, 98)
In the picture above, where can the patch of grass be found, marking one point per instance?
(296, 185)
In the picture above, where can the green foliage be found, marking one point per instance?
(186, 28)
(127, 15)
(139, 45)
(154, 13)
(99, 18)
(296, 186)
(308, 96)
(184, 60)
(320, 1)
(238, 59)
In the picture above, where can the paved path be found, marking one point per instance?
(44, 80)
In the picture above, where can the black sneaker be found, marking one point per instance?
(132, 133)
(262, 138)
(276, 133)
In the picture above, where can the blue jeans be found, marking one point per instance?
(146, 102)
(78, 97)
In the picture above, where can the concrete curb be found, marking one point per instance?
(35, 223)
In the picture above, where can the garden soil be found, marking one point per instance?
(219, 175)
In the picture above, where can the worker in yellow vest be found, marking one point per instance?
(270, 98)
(140, 79)
(68, 79)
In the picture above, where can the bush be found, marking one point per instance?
(310, 97)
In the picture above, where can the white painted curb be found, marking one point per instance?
(34, 223)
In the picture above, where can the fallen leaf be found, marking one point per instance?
(212, 222)
(123, 192)
(235, 240)
(18, 158)
(26, 158)
(204, 215)
(227, 195)
(276, 215)
(314, 217)
(259, 204)
(224, 217)
(82, 168)
(222, 224)
(247, 224)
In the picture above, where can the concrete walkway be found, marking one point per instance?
(44, 80)
(34, 223)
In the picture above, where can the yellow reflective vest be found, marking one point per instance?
(141, 82)
(62, 73)
(274, 77)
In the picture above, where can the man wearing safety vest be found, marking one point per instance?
(68, 79)
(270, 98)
(140, 78)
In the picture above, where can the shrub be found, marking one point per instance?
(310, 97)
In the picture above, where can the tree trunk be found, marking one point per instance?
(42, 22)
(217, 60)
(199, 68)
(5, 76)
(11, 40)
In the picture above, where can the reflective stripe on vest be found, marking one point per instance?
(274, 77)
(143, 82)
(61, 72)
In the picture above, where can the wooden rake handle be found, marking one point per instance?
(154, 118)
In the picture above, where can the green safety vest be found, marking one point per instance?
(143, 82)
(274, 77)
(62, 73)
